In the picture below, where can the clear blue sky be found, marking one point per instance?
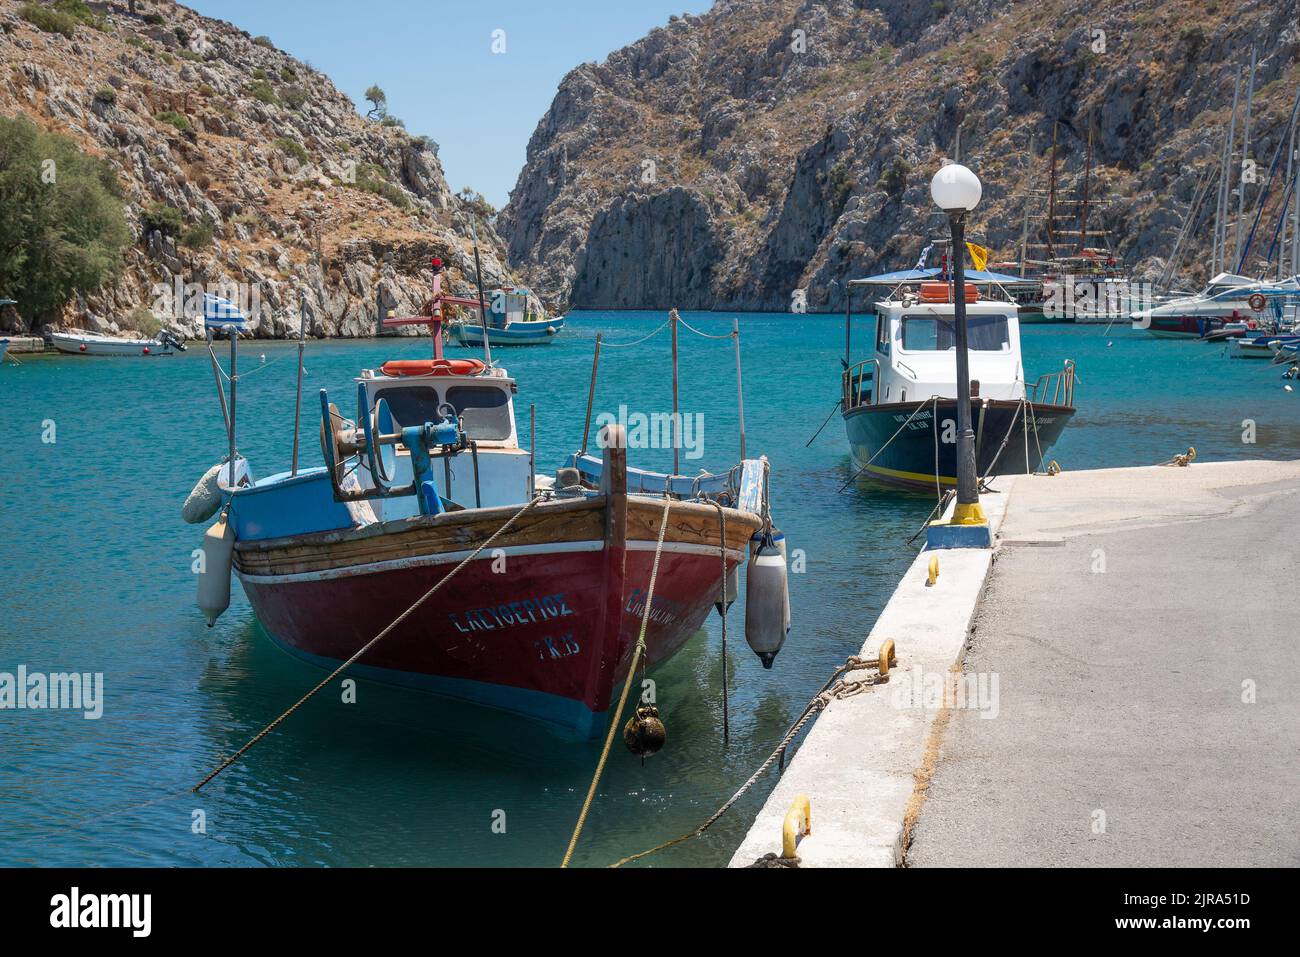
(434, 59)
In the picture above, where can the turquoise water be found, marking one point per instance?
(96, 578)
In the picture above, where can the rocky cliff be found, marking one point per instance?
(731, 159)
(279, 184)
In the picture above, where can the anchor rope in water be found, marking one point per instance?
(627, 684)
(371, 643)
(819, 703)
(838, 403)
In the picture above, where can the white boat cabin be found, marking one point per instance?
(484, 402)
(915, 348)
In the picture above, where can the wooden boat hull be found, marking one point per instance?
(909, 459)
(543, 624)
(515, 334)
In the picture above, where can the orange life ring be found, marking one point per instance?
(1257, 302)
(410, 367)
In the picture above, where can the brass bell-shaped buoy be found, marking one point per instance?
(644, 734)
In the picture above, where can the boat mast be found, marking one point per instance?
(1024, 228)
(1290, 156)
(1219, 254)
(1295, 226)
(1087, 175)
(1051, 201)
(1245, 155)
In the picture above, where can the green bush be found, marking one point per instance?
(291, 148)
(154, 19)
(294, 97)
(48, 19)
(144, 321)
(163, 218)
(63, 228)
(107, 95)
(261, 90)
(264, 42)
(372, 179)
(178, 120)
(260, 74)
(199, 236)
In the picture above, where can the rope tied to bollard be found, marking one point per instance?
(820, 701)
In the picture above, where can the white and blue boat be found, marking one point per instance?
(516, 317)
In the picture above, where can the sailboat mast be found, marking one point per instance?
(1219, 254)
(1024, 228)
(1087, 175)
(1051, 201)
(1245, 155)
(1290, 156)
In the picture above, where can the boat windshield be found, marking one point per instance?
(485, 410)
(939, 333)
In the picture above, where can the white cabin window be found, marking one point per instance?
(485, 411)
(939, 333)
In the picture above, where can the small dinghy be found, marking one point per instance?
(79, 342)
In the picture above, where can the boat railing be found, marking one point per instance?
(860, 383)
(1054, 388)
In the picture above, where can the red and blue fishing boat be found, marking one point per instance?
(428, 472)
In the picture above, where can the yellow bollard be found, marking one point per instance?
(888, 656)
(934, 571)
(798, 822)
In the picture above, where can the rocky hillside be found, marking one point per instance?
(767, 146)
(272, 177)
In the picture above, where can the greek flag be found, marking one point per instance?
(219, 313)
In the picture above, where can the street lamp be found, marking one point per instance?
(956, 190)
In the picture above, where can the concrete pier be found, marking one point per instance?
(1123, 693)
(24, 344)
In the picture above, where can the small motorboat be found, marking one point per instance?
(516, 317)
(900, 405)
(80, 342)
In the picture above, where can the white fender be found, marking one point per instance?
(214, 578)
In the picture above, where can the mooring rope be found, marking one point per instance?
(723, 607)
(704, 335)
(820, 701)
(636, 342)
(838, 403)
(371, 643)
(637, 652)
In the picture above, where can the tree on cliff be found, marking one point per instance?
(62, 223)
(380, 100)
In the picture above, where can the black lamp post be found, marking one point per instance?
(956, 190)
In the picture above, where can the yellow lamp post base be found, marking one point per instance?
(972, 514)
